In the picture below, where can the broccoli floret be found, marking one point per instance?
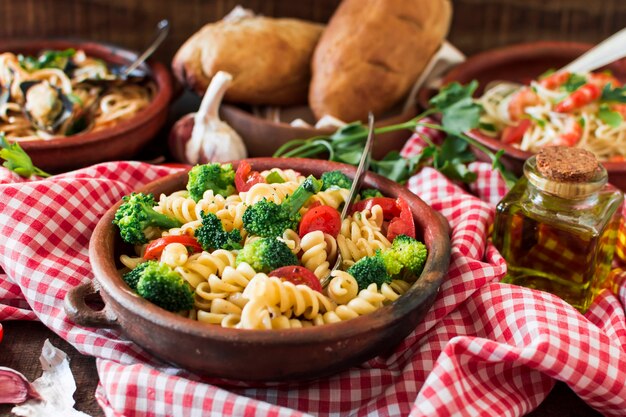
(211, 234)
(335, 179)
(266, 254)
(161, 285)
(268, 219)
(368, 270)
(405, 254)
(132, 277)
(217, 177)
(370, 193)
(136, 214)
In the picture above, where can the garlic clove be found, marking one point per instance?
(14, 387)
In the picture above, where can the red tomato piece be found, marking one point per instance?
(555, 80)
(297, 275)
(389, 206)
(405, 224)
(245, 178)
(1, 332)
(514, 134)
(155, 248)
(579, 98)
(324, 218)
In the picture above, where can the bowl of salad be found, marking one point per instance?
(231, 271)
(527, 104)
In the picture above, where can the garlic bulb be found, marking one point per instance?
(213, 140)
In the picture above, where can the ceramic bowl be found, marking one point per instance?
(523, 63)
(121, 141)
(263, 137)
(261, 355)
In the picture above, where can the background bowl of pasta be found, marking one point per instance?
(110, 120)
(529, 64)
(261, 355)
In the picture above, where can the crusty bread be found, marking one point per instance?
(269, 58)
(371, 54)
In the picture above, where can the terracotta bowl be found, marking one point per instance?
(260, 355)
(263, 137)
(523, 63)
(121, 141)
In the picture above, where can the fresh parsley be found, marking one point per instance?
(18, 161)
(47, 59)
(617, 94)
(610, 117)
(574, 82)
(459, 113)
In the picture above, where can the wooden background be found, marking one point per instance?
(477, 25)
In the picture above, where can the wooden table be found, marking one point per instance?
(23, 341)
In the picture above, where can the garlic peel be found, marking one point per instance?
(14, 387)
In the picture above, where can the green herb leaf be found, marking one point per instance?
(488, 127)
(610, 117)
(47, 59)
(460, 112)
(18, 161)
(616, 94)
(546, 74)
(574, 82)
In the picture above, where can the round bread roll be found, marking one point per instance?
(269, 58)
(371, 54)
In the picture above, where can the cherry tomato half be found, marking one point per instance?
(324, 218)
(297, 275)
(514, 134)
(245, 178)
(155, 248)
(388, 204)
(403, 224)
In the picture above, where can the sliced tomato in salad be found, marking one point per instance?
(324, 218)
(514, 134)
(388, 204)
(579, 98)
(155, 248)
(297, 275)
(245, 177)
(403, 224)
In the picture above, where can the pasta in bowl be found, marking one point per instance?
(62, 102)
(239, 294)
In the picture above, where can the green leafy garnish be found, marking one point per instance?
(47, 59)
(610, 117)
(18, 161)
(546, 74)
(459, 113)
(574, 82)
(616, 94)
(489, 127)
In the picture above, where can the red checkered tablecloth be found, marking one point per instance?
(485, 348)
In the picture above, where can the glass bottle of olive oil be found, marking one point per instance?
(557, 226)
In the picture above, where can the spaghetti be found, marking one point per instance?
(561, 109)
(56, 78)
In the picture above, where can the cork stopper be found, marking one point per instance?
(565, 164)
(566, 172)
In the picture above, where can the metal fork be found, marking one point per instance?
(363, 166)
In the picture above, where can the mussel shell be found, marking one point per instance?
(63, 116)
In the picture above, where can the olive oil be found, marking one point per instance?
(558, 235)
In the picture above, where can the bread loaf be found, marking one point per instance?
(371, 54)
(269, 58)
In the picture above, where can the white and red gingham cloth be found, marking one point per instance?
(485, 348)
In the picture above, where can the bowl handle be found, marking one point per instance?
(80, 313)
